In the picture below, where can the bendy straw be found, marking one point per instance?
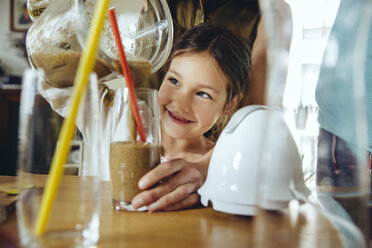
(127, 75)
(85, 67)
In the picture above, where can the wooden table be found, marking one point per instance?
(200, 227)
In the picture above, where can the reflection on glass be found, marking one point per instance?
(322, 100)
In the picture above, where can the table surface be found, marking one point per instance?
(198, 227)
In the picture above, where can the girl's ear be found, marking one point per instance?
(232, 105)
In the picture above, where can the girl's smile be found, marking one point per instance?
(177, 118)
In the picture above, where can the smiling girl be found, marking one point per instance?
(205, 78)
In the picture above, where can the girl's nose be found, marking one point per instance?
(182, 101)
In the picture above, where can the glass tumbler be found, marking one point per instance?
(74, 215)
(131, 158)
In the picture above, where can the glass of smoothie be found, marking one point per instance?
(130, 158)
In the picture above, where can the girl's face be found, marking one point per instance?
(192, 96)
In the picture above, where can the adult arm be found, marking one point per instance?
(256, 89)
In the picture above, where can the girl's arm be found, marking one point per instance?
(173, 185)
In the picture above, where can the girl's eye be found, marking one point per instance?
(174, 81)
(204, 95)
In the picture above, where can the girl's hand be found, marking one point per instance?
(172, 185)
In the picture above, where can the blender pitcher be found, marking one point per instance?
(56, 38)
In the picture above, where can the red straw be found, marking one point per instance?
(127, 75)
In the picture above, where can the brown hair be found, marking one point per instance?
(230, 51)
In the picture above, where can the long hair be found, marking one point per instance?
(230, 51)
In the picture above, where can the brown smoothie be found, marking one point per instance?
(60, 67)
(128, 163)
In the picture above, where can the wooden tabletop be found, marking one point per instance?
(199, 227)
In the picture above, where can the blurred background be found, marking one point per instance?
(13, 62)
(14, 26)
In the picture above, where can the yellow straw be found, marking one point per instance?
(86, 65)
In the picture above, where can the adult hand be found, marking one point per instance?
(172, 185)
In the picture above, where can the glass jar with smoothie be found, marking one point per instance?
(56, 39)
(131, 158)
